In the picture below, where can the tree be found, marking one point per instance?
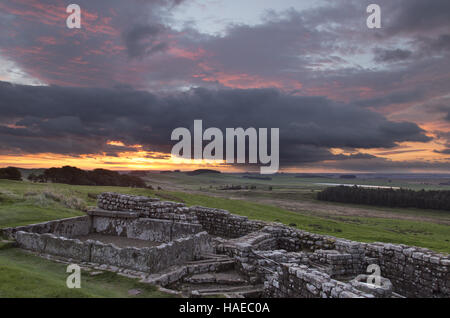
(10, 173)
(388, 197)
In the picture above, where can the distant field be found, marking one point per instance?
(24, 203)
(290, 181)
(434, 236)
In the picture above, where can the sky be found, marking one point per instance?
(108, 95)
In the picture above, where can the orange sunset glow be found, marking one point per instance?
(109, 94)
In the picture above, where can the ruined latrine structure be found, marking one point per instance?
(199, 251)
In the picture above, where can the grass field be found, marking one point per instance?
(291, 181)
(26, 275)
(434, 236)
(25, 203)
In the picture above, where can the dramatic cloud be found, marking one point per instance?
(382, 55)
(77, 121)
(142, 40)
(132, 74)
(446, 151)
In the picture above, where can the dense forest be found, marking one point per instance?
(401, 198)
(98, 177)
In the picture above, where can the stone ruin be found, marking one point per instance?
(197, 251)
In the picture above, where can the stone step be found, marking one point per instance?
(214, 255)
(216, 278)
(210, 260)
(256, 292)
(210, 267)
(238, 292)
(191, 268)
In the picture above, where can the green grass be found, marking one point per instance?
(17, 209)
(26, 275)
(24, 203)
(425, 234)
(284, 181)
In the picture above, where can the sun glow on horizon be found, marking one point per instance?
(134, 157)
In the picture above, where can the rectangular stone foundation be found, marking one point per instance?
(147, 259)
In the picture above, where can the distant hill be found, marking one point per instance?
(138, 173)
(169, 171)
(347, 176)
(309, 175)
(257, 177)
(202, 171)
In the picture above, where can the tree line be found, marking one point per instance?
(401, 198)
(10, 173)
(97, 177)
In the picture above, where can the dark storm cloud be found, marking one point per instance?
(310, 52)
(442, 43)
(383, 55)
(445, 151)
(143, 40)
(394, 98)
(442, 107)
(81, 120)
(385, 165)
(417, 15)
(315, 52)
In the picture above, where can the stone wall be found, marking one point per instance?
(224, 224)
(146, 207)
(69, 227)
(152, 259)
(414, 271)
(293, 281)
(156, 230)
(264, 252)
(54, 245)
(292, 239)
(214, 221)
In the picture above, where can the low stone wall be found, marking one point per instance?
(146, 207)
(414, 271)
(54, 245)
(214, 221)
(156, 230)
(291, 239)
(293, 281)
(69, 227)
(282, 272)
(224, 224)
(152, 259)
(264, 252)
